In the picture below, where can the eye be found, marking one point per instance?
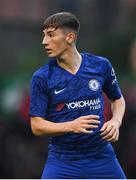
(51, 34)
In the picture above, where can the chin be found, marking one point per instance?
(50, 55)
(53, 55)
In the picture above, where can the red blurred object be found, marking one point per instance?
(107, 109)
(24, 108)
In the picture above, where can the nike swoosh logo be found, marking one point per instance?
(57, 92)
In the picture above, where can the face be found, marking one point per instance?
(55, 41)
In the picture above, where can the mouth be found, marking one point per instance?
(48, 50)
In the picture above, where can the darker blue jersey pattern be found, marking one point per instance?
(59, 96)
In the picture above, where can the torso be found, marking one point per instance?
(71, 96)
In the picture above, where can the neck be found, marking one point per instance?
(70, 60)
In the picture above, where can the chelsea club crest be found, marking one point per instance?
(94, 85)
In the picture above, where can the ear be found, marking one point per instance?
(71, 37)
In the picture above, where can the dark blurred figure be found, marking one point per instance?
(128, 131)
(20, 151)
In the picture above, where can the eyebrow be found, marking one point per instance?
(49, 31)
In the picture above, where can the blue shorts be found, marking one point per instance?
(102, 166)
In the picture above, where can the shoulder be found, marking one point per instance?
(96, 61)
(96, 58)
(44, 71)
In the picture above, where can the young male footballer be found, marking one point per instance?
(67, 104)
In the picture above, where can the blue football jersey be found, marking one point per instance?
(59, 96)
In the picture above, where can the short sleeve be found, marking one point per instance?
(111, 87)
(38, 97)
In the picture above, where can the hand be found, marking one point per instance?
(83, 123)
(110, 130)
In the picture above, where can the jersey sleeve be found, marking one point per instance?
(111, 87)
(38, 97)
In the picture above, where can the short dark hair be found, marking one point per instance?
(62, 19)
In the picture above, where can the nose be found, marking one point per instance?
(45, 40)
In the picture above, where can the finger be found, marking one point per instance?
(91, 122)
(103, 127)
(87, 131)
(116, 138)
(91, 117)
(90, 126)
(106, 130)
(113, 137)
(108, 133)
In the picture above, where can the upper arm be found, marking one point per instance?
(111, 87)
(38, 98)
(118, 102)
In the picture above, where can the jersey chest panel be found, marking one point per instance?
(76, 92)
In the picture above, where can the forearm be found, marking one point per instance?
(83, 124)
(41, 127)
(118, 109)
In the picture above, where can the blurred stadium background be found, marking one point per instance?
(108, 28)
